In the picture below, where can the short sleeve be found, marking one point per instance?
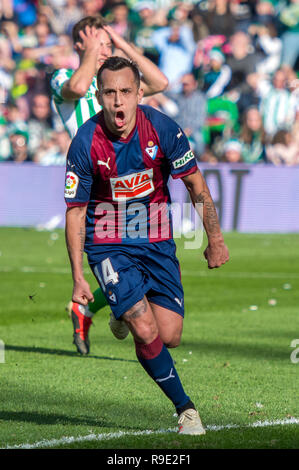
(79, 174)
(57, 82)
(176, 148)
(173, 142)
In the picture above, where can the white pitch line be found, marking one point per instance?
(32, 269)
(116, 435)
(244, 275)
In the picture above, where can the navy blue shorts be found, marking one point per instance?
(126, 273)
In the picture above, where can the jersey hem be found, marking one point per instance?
(185, 173)
(160, 304)
(76, 204)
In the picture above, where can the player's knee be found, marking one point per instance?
(171, 337)
(145, 333)
(141, 323)
(172, 344)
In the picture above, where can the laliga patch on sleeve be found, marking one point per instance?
(71, 185)
(183, 160)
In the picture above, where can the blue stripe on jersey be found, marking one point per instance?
(128, 161)
(79, 161)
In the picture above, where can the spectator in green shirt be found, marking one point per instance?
(252, 137)
(289, 17)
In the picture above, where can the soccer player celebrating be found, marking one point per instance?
(118, 165)
(75, 101)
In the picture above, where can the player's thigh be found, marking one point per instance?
(141, 321)
(121, 280)
(170, 325)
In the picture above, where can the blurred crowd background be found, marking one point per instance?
(232, 68)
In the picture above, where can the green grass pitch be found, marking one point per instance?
(234, 359)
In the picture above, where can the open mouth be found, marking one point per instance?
(120, 118)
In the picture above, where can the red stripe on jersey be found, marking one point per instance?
(159, 223)
(186, 173)
(76, 204)
(103, 155)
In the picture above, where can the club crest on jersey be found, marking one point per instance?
(183, 160)
(71, 185)
(112, 297)
(152, 149)
(133, 186)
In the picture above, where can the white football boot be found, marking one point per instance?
(118, 327)
(190, 423)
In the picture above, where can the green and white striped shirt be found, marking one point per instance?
(278, 107)
(75, 112)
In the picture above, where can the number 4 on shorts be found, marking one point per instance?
(109, 275)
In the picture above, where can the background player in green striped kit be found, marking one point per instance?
(75, 101)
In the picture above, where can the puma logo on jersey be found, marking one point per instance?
(70, 164)
(179, 134)
(134, 186)
(106, 164)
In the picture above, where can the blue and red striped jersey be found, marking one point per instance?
(124, 181)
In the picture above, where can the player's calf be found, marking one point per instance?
(172, 342)
(170, 325)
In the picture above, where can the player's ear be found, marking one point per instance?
(78, 46)
(99, 97)
(140, 95)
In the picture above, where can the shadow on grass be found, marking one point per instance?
(246, 350)
(43, 418)
(59, 419)
(62, 352)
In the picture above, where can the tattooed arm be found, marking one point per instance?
(216, 252)
(75, 239)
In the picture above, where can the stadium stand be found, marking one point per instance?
(243, 56)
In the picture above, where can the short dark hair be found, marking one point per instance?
(115, 63)
(97, 21)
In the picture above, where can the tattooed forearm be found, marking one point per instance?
(82, 239)
(210, 218)
(202, 197)
(204, 205)
(75, 239)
